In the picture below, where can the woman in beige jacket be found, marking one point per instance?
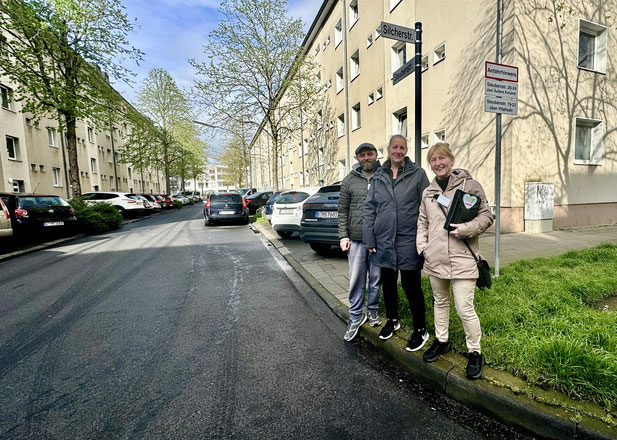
(447, 260)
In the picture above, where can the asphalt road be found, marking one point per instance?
(169, 329)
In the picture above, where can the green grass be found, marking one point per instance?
(258, 218)
(539, 322)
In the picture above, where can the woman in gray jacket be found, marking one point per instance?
(389, 230)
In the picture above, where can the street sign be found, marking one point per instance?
(493, 104)
(396, 32)
(501, 72)
(504, 89)
(404, 71)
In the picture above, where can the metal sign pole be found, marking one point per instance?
(498, 150)
(418, 98)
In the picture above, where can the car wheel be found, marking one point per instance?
(208, 222)
(320, 248)
(121, 210)
(245, 221)
(284, 234)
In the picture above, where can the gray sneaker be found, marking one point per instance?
(373, 318)
(353, 327)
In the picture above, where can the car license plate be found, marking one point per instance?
(326, 214)
(283, 211)
(227, 212)
(53, 224)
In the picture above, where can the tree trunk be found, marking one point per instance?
(71, 140)
(166, 166)
(275, 157)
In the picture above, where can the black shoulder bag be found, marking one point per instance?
(484, 280)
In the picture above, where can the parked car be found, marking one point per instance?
(6, 230)
(245, 192)
(287, 211)
(257, 200)
(38, 211)
(270, 203)
(319, 224)
(154, 200)
(121, 201)
(147, 204)
(182, 199)
(167, 200)
(225, 207)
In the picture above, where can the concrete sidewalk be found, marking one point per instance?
(545, 413)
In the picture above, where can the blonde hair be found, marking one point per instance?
(441, 148)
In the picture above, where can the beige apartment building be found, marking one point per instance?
(34, 158)
(559, 152)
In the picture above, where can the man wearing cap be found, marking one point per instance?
(350, 211)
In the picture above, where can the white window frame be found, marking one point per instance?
(369, 40)
(400, 125)
(338, 33)
(15, 143)
(378, 93)
(354, 15)
(398, 55)
(55, 172)
(439, 135)
(439, 53)
(354, 64)
(596, 140)
(7, 95)
(424, 142)
(93, 165)
(371, 98)
(600, 36)
(51, 137)
(356, 117)
(340, 125)
(377, 32)
(317, 48)
(90, 131)
(340, 80)
(394, 4)
(424, 63)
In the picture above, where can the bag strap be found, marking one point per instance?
(464, 241)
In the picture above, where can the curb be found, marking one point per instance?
(499, 394)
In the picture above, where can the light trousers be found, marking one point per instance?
(361, 265)
(463, 291)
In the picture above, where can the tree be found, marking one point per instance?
(161, 100)
(191, 152)
(254, 54)
(235, 157)
(57, 51)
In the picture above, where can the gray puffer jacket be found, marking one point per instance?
(391, 216)
(351, 204)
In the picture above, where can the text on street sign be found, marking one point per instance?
(493, 104)
(404, 71)
(397, 32)
(505, 89)
(500, 72)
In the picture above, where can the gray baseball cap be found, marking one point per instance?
(365, 146)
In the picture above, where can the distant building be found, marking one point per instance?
(559, 154)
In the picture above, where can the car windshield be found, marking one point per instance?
(329, 189)
(292, 197)
(226, 198)
(41, 200)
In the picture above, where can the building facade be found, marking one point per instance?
(559, 153)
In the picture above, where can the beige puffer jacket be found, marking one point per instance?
(446, 256)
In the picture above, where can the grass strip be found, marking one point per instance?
(539, 322)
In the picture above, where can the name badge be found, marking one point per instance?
(443, 200)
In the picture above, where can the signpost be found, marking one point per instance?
(401, 33)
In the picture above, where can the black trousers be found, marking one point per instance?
(410, 280)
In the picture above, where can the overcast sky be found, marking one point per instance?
(170, 32)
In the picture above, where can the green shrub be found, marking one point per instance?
(177, 204)
(98, 218)
(191, 202)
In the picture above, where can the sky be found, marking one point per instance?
(170, 32)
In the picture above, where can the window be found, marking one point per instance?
(440, 135)
(338, 33)
(51, 137)
(378, 93)
(33, 167)
(378, 32)
(439, 53)
(18, 186)
(355, 64)
(326, 43)
(369, 40)
(592, 46)
(340, 125)
(353, 13)
(12, 146)
(371, 98)
(42, 168)
(399, 122)
(7, 97)
(317, 49)
(356, 119)
(399, 55)
(588, 141)
(109, 155)
(424, 140)
(90, 135)
(393, 4)
(55, 172)
(424, 63)
(339, 80)
(93, 165)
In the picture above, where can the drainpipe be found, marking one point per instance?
(346, 73)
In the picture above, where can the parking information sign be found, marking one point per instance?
(500, 88)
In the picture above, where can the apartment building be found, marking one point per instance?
(559, 153)
(35, 158)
